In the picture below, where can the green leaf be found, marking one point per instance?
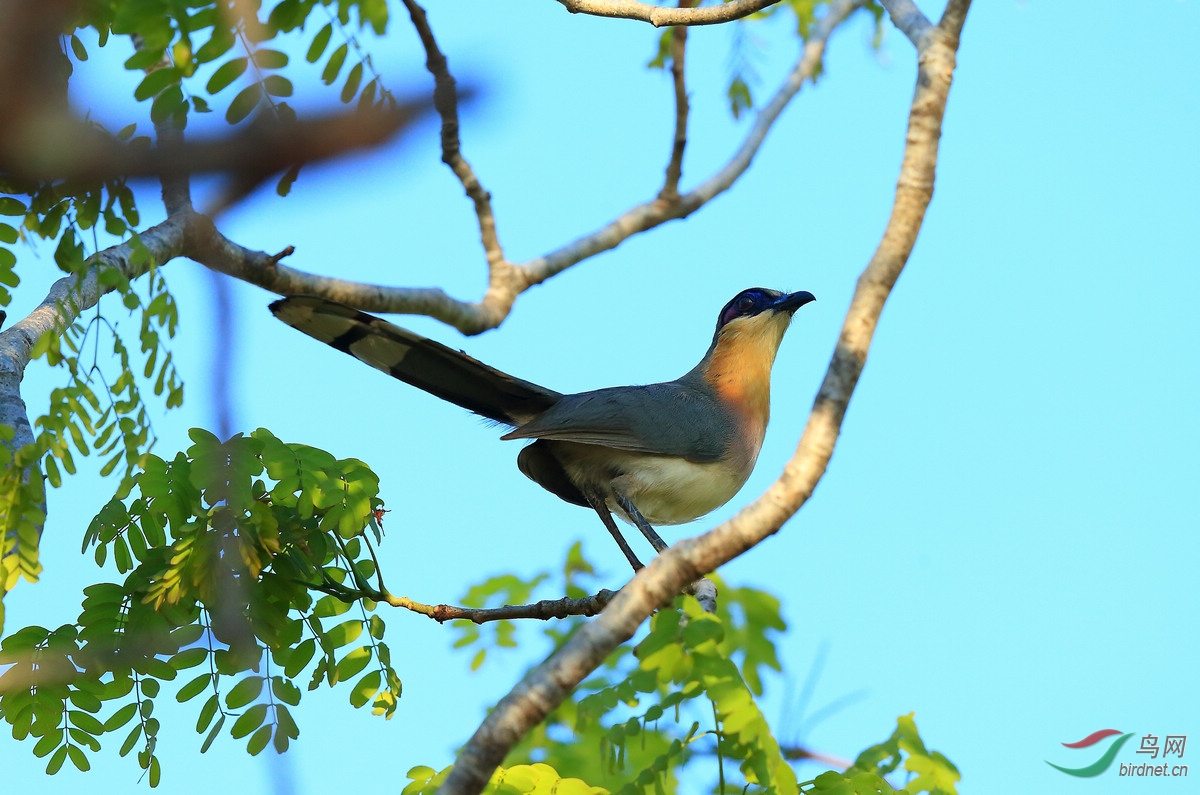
(270, 59)
(245, 102)
(330, 73)
(212, 735)
(78, 48)
(329, 606)
(78, 758)
(156, 81)
(188, 658)
(131, 740)
(319, 43)
(220, 43)
(277, 85)
(11, 206)
(376, 13)
(344, 633)
(250, 720)
(244, 692)
(56, 761)
(194, 688)
(352, 82)
(85, 700)
(47, 743)
(120, 717)
(284, 186)
(207, 712)
(365, 689)
(353, 663)
(285, 691)
(228, 72)
(300, 658)
(85, 721)
(258, 740)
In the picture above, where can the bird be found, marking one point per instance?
(655, 454)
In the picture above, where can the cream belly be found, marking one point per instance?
(674, 491)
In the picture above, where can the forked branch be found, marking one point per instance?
(544, 688)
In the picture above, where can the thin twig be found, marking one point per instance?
(445, 99)
(544, 610)
(659, 17)
(544, 688)
(651, 214)
(670, 190)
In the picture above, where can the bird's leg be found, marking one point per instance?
(601, 507)
(636, 516)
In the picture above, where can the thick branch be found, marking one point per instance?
(658, 16)
(63, 148)
(67, 298)
(508, 280)
(183, 234)
(548, 685)
(906, 16)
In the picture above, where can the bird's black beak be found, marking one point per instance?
(793, 301)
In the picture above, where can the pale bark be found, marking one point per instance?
(549, 684)
(660, 17)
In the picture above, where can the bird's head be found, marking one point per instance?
(738, 365)
(759, 316)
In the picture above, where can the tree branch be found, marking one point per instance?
(908, 18)
(74, 151)
(508, 280)
(445, 99)
(651, 214)
(548, 685)
(659, 17)
(670, 190)
(543, 610)
(67, 298)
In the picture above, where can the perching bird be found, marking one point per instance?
(657, 454)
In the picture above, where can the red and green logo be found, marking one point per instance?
(1101, 764)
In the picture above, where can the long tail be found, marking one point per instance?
(444, 372)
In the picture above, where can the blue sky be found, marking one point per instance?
(1006, 540)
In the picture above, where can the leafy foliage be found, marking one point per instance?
(245, 564)
(96, 409)
(683, 697)
(220, 567)
(189, 53)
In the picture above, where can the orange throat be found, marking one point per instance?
(740, 372)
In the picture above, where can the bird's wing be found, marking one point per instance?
(664, 419)
(444, 372)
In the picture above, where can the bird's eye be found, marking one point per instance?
(745, 304)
